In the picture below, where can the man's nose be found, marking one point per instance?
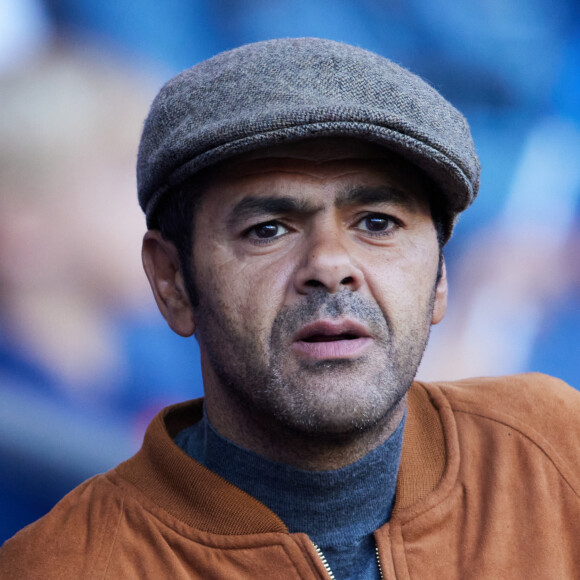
(327, 263)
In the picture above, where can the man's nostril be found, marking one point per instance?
(314, 283)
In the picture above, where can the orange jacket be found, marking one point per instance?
(489, 487)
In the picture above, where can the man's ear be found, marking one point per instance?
(441, 290)
(163, 269)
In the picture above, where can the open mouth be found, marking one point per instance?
(332, 339)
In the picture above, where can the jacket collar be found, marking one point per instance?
(198, 497)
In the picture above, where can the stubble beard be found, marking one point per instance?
(332, 398)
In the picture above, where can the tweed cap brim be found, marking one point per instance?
(285, 90)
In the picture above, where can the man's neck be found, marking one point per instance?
(308, 450)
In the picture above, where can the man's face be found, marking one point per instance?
(316, 267)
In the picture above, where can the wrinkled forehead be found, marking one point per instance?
(323, 155)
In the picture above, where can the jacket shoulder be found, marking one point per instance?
(62, 544)
(536, 397)
(544, 409)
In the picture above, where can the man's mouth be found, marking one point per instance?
(330, 339)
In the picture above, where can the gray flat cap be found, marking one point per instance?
(277, 91)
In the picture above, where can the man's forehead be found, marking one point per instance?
(318, 154)
(346, 169)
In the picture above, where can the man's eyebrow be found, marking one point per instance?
(380, 194)
(251, 207)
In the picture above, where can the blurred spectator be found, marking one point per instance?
(77, 325)
(69, 228)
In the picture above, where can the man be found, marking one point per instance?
(298, 194)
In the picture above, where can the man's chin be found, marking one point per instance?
(329, 411)
(329, 429)
(329, 366)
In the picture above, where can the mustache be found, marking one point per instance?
(320, 304)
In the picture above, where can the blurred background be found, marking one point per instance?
(85, 358)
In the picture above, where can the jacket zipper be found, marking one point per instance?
(324, 561)
(329, 571)
(379, 563)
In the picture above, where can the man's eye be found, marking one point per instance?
(268, 230)
(377, 223)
